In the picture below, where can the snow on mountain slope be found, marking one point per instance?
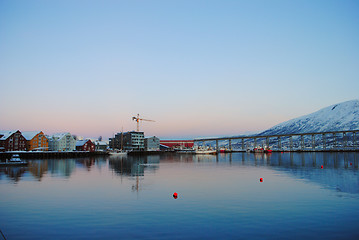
(338, 117)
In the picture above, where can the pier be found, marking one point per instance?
(46, 155)
(311, 142)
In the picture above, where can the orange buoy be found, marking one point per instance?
(321, 166)
(175, 195)
(261, 179)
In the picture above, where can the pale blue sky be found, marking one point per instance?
(199, 68)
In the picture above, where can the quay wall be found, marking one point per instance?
(41, 155)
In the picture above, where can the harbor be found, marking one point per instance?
(244, 194)
(338, 141)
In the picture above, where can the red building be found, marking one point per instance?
(85, 145)
(177, 143)
(12, 141)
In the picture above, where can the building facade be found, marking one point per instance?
(12, 141)
(62, 142)
(117, 141)
(100, 145)
(36, 141)
(85, 145)
(177, 143)
(152, 144)
(129, 141)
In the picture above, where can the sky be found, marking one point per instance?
(197, 68)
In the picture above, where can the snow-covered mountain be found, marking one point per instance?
(338, 117)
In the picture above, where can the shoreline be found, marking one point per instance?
(78, 154)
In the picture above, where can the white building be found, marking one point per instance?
(152, 144)
(62, 142)
(100, 145)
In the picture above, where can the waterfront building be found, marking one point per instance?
(128, 141)
(12, 141)
(85, 145)
(100, 145)
(177, 143)
(62, 142)
(36, 140)
(152, 144)
(117, 141)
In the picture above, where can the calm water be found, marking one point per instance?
(219, 197)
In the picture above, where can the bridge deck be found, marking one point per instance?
(274, 136)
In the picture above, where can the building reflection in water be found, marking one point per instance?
(13, 173)
(134, 167)
(54, 167)
(38, 168)
(340, 170)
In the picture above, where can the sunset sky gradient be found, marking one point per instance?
(198, 68)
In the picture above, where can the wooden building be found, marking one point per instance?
(85, 145)
(62, 142)
(12, 141)
(36, 141)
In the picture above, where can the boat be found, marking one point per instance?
(261, 150)
(268, 150)
(15, 160)
(202, 150)
(206, 152)
(117, 153)
(185, 150)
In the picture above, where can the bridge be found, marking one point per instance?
(316, 141)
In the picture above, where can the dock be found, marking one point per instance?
(51, 154)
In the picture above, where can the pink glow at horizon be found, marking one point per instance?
(107, 124)
(89, 68)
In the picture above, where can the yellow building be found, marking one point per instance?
(36, 140)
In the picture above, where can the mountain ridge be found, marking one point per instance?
(336, 117)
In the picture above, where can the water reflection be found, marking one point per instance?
(340, 170)
(13, 173)
(134, 167)
(54, 167)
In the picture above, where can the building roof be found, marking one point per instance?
(151, 137)
(60, 135)
(132, 132)
(101, 143)
(80, 143)
(28, 135)
(6, 134)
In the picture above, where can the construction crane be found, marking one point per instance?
(138, 119)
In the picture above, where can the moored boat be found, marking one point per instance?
(15, 160)
(186, 150)
(268, 150)
(257, 150)
(206, 152)
(261, 150)
(117, 153)
(202, 150)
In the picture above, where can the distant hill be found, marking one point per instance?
(341, 116)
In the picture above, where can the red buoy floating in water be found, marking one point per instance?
(351, 164)
(321, 166)
(175, 195)
(261, 179)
